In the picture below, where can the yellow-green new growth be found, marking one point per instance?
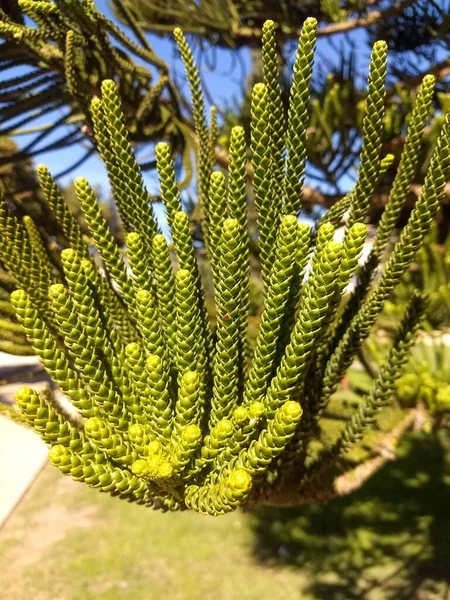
(177, 409)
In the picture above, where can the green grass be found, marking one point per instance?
(390, 540)
(69, 542)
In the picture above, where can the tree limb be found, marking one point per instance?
(352, 480)
(372, 17)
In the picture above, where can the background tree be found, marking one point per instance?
(417, 34)
(55, 56)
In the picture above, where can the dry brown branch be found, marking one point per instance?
(440, 71)
(370, 19)
(245, 34)
(352, 480)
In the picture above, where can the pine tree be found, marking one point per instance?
(175, 409)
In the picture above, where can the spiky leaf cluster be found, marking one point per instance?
(178, 411)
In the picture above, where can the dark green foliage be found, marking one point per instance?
(69, 48)
(389, 539)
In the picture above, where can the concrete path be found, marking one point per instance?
(22, 456)
(22, 452)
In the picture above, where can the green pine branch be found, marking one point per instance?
(177, 409)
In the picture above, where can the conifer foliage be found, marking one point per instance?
(64, 50)
(178, 410)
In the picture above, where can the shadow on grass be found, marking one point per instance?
(390, 539)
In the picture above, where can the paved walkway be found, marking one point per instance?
(22, 452)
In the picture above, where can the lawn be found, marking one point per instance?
(390, 540)
(69, 542)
